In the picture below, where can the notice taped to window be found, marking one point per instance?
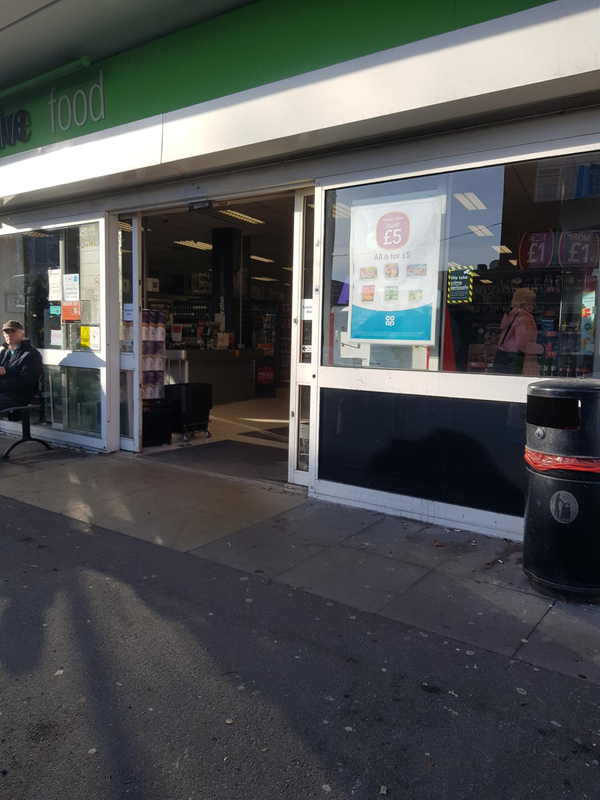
(460, 285)
(394, 268)
(95, 338)
(71, 288)
(54, 289)
(71, 312)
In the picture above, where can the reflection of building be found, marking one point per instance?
(223, 194)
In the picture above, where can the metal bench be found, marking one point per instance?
(22, 414)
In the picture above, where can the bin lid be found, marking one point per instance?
(574, 387)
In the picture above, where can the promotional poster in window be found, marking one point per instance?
(394, 265)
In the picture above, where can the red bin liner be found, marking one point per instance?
(544, 462)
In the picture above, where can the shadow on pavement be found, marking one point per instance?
(131, 670)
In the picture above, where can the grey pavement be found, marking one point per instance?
(445, 581)
(453, 583)
(128, 669)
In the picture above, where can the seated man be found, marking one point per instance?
(20, 367)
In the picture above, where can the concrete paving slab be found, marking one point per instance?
(128, 510)
(259, 550)
(191, 528)
(99, 465)
(361, 580)
(567, 640)
(495, 561)
(326, 522)
(248, 504)
(410, 541)
(38, 458)
(186, 529)
(69, 499)
(131, 474)
(8, 470)
(477, 613)
(39, 481)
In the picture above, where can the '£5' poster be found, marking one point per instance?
(394, 263)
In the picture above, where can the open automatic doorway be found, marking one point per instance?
(215, 336)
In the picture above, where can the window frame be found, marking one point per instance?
(503, 388)
(101, 359)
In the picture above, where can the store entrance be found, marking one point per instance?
(216, 336)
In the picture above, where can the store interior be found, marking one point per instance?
(218, 279)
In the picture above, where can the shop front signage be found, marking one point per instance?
(77, 108)
(14, 128)
(71, 109)
(394, 264)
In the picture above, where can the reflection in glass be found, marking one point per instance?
(84, 401)
(125, 285)
(33, 289)
(126, 404)
(53, 389)
(306, 317)
(303, 428)
(513, 282)
(72, 400)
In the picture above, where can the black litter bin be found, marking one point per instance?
(561, 552)
(192, 404)
(157, 422)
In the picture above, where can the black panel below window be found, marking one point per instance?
(463, 452)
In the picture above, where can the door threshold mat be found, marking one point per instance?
(235, 459)
(280, 434)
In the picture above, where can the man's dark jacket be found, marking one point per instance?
(23, 371)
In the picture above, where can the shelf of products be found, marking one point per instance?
(153, 354)
(564, 312)
(265, 326)
(190, 315)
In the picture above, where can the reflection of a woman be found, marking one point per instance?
(518, 349)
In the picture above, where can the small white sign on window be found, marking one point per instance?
(307, 310)
(127, 312)
(70, 288)
(54, 293)
(95, 338)
(56, 338)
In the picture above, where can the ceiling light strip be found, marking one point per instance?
(241, 217)
(195, 245)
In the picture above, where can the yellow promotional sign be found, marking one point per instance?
(85, 336)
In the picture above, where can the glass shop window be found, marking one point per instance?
(50, 281)
(490, 271)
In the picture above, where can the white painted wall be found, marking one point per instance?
(542, 54)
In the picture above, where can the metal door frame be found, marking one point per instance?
(303, 374)
(132, 362)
